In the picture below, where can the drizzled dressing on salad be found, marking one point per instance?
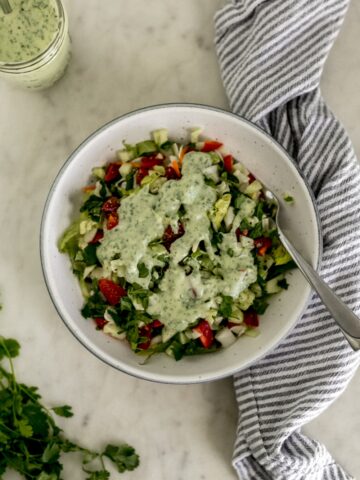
(144, 216)
(173, 249)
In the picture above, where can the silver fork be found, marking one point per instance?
(346, 319)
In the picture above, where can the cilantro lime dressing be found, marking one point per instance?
(127, 245)
(144, 217)
(28, 30)
(182, 298)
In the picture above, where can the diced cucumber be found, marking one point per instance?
(252, 332)
(159, 169)
(281, 256)
(245, 299)
(183, 338)
(255, 287)
(87, 226)
(125, 169)
(160, 136)
(98, 172)
(125, 155)
(148, 146)
(265, 263)
(195, 134)
(272, 285)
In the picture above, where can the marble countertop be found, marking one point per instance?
(127, 55)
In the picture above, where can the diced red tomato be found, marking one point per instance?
(170, 173)
(112, 220)
(207, 335)
(170, 236)
(98, 236)
(140, 174)
(111, 205)
(262, 245)
(241, 233)
(211, 145)
(156, 324)
(228, 163)
(251, 178)
(145, 331)
(150, 162)
(100, 322)
(111, 290)
(112, 172)
(251, 318)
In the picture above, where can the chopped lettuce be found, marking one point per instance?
(219, 210)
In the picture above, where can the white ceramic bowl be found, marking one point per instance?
(263, 157)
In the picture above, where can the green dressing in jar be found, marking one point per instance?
(34, 42)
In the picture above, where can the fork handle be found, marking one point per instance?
(346, 318)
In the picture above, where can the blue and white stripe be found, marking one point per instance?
(271, 55)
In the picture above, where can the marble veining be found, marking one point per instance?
(127, 55)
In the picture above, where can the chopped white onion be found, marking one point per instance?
(225, 337)
(238, 329)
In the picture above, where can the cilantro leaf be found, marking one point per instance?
(24, 428)
(63, 411)
(288, 198)
(47, 476)
(129, 180)
(89, 254)
(123, 456)
(257, 231)
(98, 475)
(94, 307)
(260, 305)
(51, 453)
(9, 348)
(37, 418)
(225, 308)
(93, 207)
(283, 284)
(143, 270)
(276, 270)
(30, 441)
(217, 238)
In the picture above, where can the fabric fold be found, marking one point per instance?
(271, 55)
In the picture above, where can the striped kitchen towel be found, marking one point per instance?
(271, 54)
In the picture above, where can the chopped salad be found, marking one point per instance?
(174, 248)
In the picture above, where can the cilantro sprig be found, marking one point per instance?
(30, 441)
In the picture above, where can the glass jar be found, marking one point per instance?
(44, 69)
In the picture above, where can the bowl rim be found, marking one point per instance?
(186, 379)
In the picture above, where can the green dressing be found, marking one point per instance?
(28, 30)
(183, 298)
